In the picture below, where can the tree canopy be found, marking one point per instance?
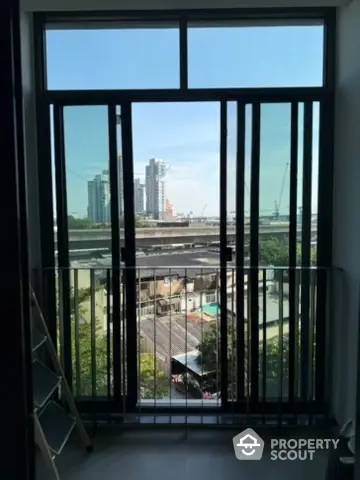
(153, 381)
(78, 223)
(275, 251)
(276, 357)
(85, 223)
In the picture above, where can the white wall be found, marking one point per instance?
(38, 5)
(346, 234)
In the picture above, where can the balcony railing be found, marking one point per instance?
(167, 352)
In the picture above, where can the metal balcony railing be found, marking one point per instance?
(167, 351)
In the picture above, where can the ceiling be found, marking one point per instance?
(88, 5)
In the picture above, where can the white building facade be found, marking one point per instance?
(99, 198)
(155, 188)
(139, 193)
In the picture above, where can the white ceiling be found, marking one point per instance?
(86, 5)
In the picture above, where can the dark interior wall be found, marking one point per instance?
(17, 452)
(30, 139)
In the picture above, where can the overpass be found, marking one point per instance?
(145, 237)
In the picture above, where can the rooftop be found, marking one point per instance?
(173, 335)
(272, 308)
(177, 334)
(190, 360)
(197, 260)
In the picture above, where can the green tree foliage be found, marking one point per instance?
(92, 367)
(153, 381)
(94, 364)
(85, 223)
(78, 223)
(277, 360)
(274, 251)
(313, 255)
(276, 367)
(209, 348)
(140, 222)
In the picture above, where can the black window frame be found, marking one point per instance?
(255, 96)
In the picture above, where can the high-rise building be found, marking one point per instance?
(99, 198)
(169, 211)
(139, 192)
(155, 188)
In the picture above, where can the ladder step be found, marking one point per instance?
(45, 383)
(38, 339)
(57, 426)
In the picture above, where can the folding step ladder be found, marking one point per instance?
(53, 424)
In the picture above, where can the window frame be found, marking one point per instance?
(45, 98)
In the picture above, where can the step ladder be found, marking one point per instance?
(53, 424)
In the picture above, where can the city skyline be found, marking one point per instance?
(186, 135)
(149, 198)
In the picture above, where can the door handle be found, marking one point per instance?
(229, 254)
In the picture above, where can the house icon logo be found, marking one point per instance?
(248, 445)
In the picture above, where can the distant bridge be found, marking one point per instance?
(146, 237)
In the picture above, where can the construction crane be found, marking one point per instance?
(278, 203)
(202, 211)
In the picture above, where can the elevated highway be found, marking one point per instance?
(145, 237)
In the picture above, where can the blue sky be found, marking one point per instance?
(184, 135)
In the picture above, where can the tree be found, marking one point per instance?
(209, 348)
(276, 364)
(87, 355)
(140, 222)
(313, 255)
(82, 348)
(273, 251)
(78, 223)
(276, 357)
(153, 381)
(277, 367)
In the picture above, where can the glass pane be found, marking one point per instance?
(231, 271)
(247, 242)
(116, 272)
(176, 152)
(309, 221)
(274, 248)
(230, 57)
(314, 181)
(126, 58)
(88, 203)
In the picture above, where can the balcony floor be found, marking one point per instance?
(179, 454)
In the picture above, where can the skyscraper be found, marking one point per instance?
(139, 192)
(155, 188)
(99, 198)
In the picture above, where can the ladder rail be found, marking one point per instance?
(65, 389)
(44, 447)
